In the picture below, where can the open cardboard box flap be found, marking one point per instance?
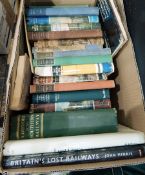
(130, 97)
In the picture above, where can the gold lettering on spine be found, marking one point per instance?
(31, 126)
(42, 122)
(37, 126)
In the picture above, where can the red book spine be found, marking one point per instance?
(102, 84)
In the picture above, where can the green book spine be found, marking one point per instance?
(54, 97)
(63, 27)
(62, 61)
(45, 125)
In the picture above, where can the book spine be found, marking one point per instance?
(62, 20)
(72, 60)
(68, 79)
(73, 3)
(70, 106)
(73, 96)
(71, 123)
(59, 87)
(89, 50)
(63, 27)
(74, 157)
(35, 36)
(107, 68)
(59, 44)
(63, 11)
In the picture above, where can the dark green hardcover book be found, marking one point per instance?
(45, 125)
(63, 27)
(71, 96)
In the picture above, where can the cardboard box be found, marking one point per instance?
(7, 21)
(129, 98)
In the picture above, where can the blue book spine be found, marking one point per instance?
(72, 96)
(89, 51)
(61, 11)
(57, 20)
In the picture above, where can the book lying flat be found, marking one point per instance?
(58, 124)
(74, 157)
(59, 87)
(124, 136)
(83, 69)
(42, 11)
(70, 106)
(62, 20)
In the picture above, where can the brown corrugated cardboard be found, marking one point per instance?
(130, 99)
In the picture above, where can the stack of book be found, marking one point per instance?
(71, 119)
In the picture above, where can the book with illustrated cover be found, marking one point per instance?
(70, 106)
(84, 69)
(37, 80)
(62, 20)
(64, 45)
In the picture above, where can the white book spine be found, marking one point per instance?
(36, 146)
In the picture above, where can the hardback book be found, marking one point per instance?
(63, 27)
(124, 136)
(68, 79)
(42, 11)
(58, 124)
(63, 2)
(70, 106)
(56, 52)
(55, 35)
(107, 68)
(72, 60)
(59, 87)
(72, 96)
(64, 45)
(62, 20)
(74, 157)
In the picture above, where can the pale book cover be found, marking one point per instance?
(64, 45)
(124, 136)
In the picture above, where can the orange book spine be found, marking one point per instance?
(101, 84)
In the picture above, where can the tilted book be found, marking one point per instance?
(72, 96)
(74, 157)
(69, 79)
(54, 35)
(70, 106)
(62, 20)
(59, 87)
(45, 125)
(41, 11)
(107, 68)
(124, 136)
